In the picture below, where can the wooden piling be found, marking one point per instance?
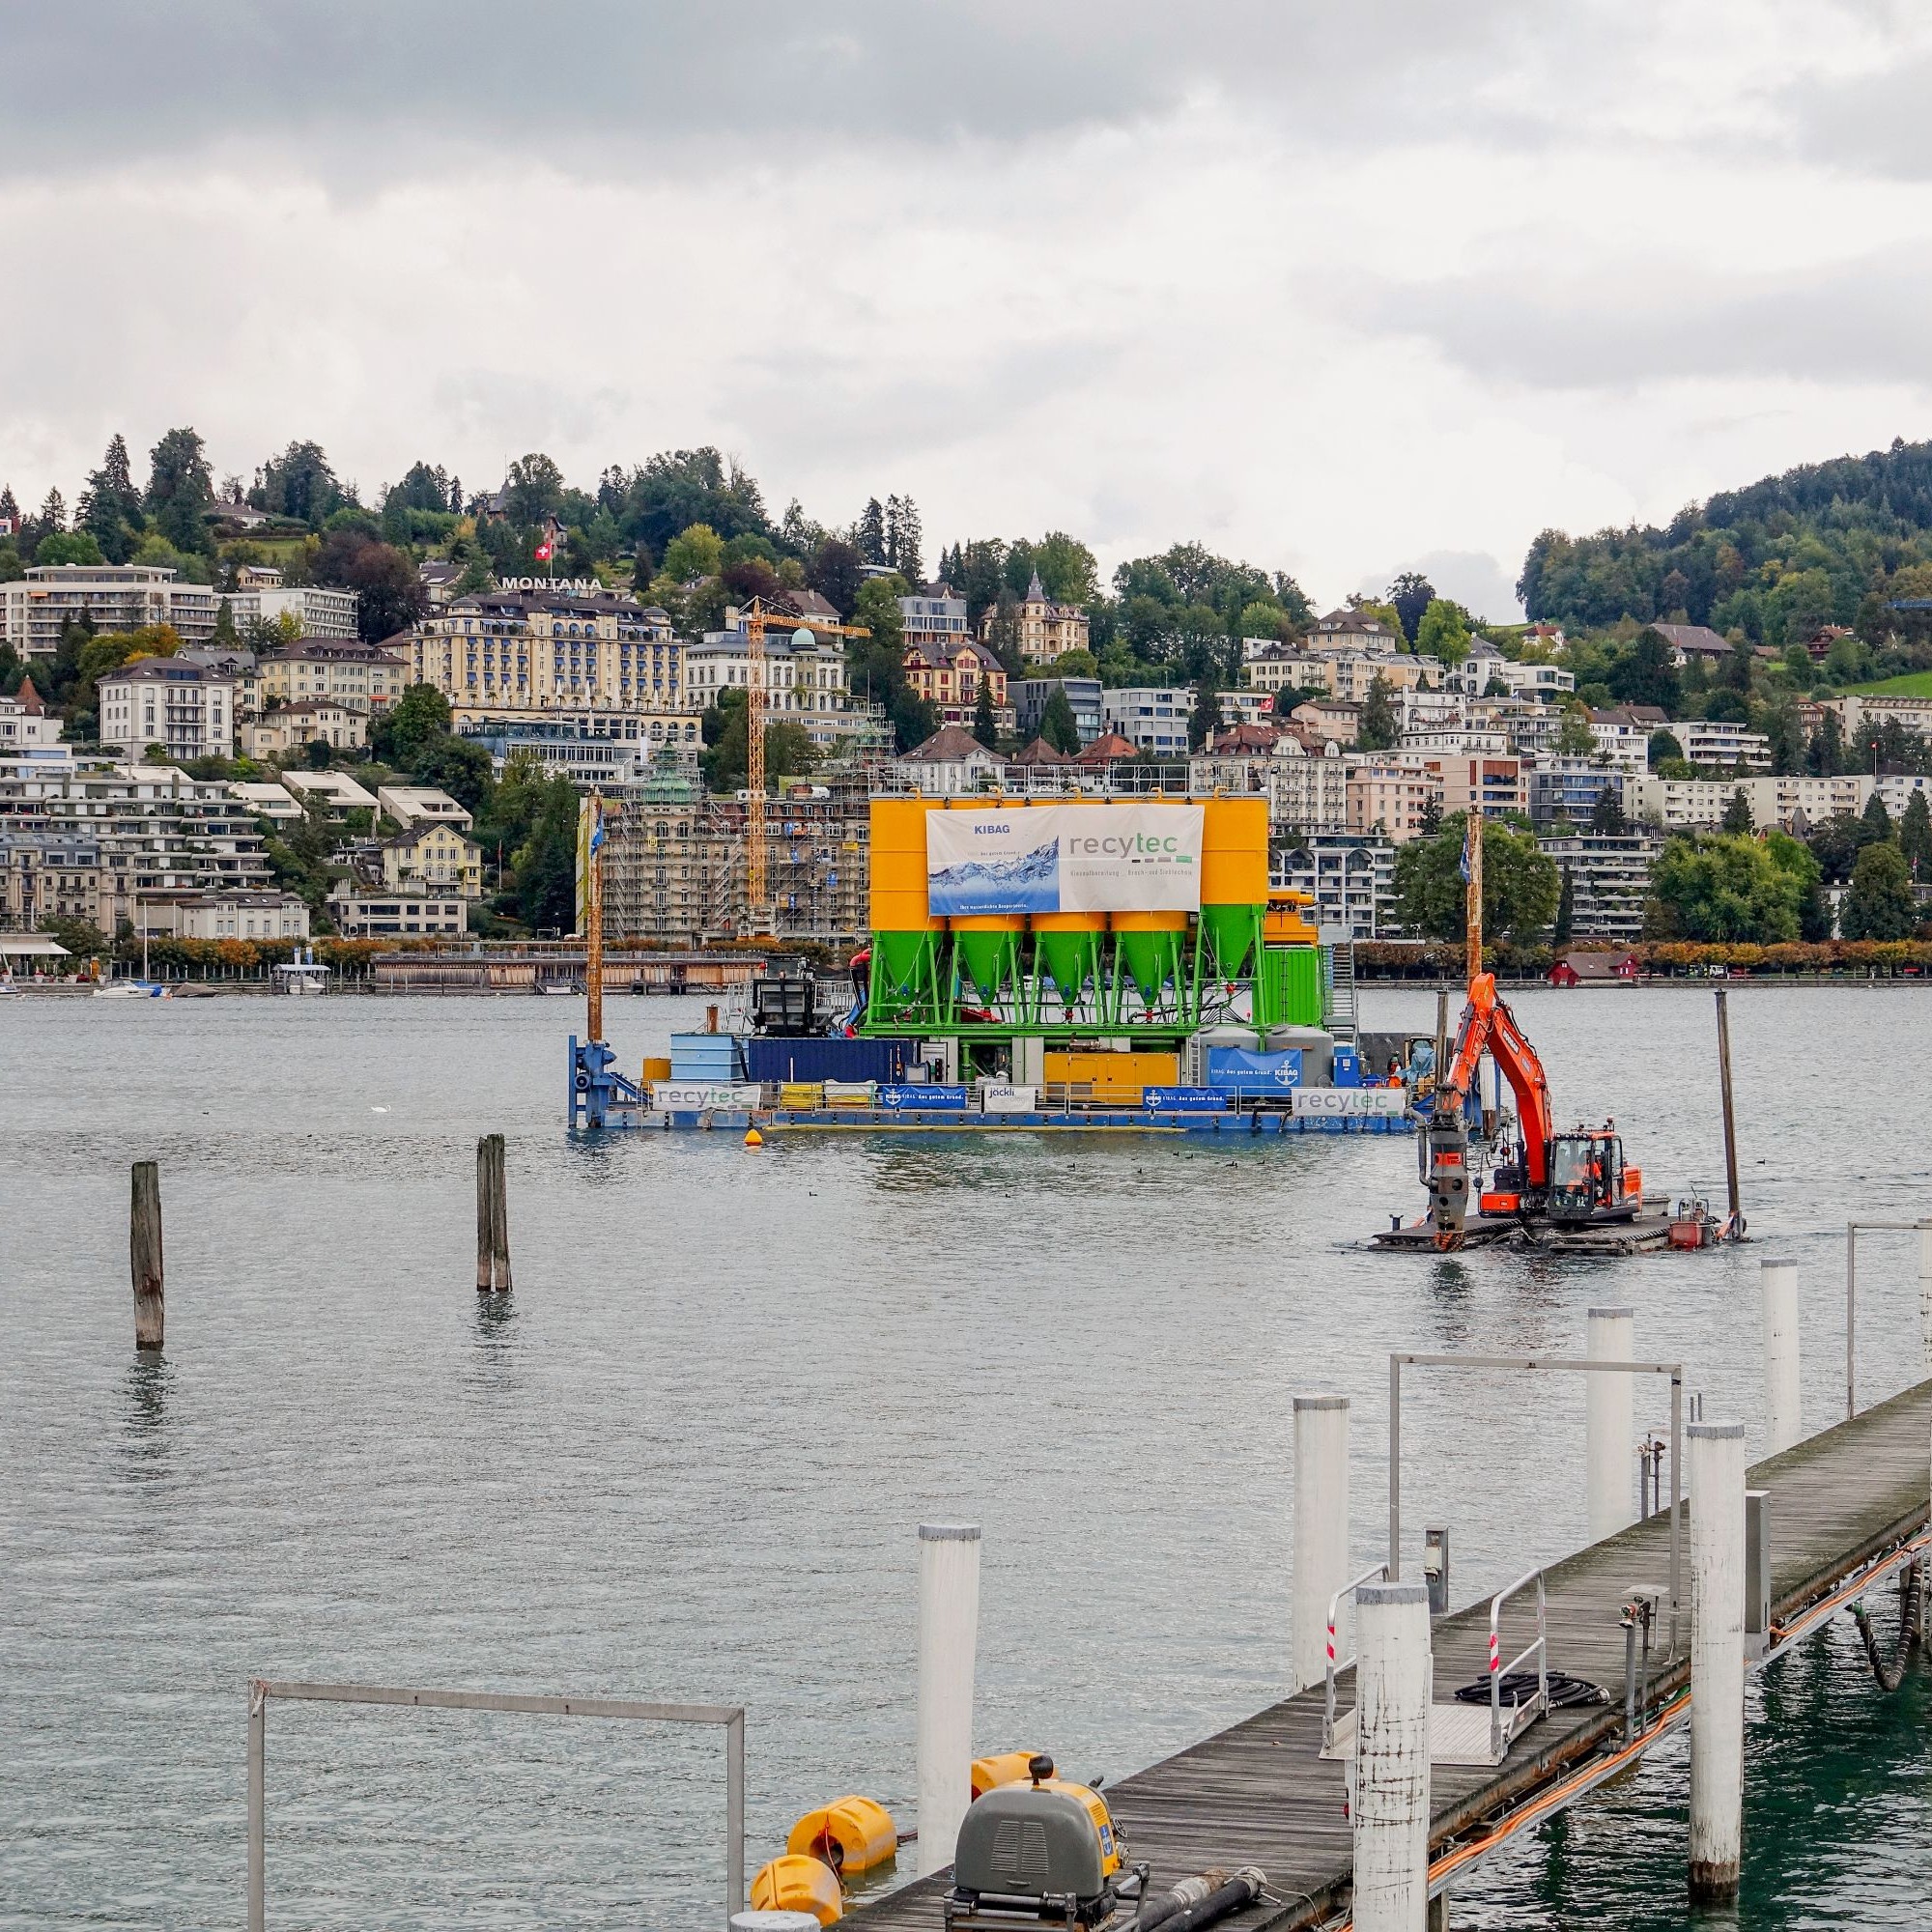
(1737, 1227)
(492, 1217)
(144, 1254)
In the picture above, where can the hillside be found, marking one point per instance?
(1828, 543)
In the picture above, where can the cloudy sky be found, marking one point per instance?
(1338, 288)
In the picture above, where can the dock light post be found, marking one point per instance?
(1608, 1424)
(1717, 1464)
(1394, 1676)
(1782, 1424)
(1320, 1527)
(949, 1630)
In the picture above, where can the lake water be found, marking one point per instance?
(687, 1459)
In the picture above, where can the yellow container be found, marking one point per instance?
(795, 1883)
(1286, 922)
(898, 902)
(851, 1834)
(1233, 851)
(655, 1069)
(1117, 1079)
(1003, 1767)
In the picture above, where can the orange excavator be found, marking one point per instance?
(1559, 1180)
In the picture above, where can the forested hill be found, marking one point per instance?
(1828, 543)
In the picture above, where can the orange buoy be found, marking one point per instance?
(754, 1138)
(795, 1883)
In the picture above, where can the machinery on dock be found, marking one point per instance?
(1563, 1180)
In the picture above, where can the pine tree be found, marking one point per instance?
(1058, 724)
(1915, 836)
(1606, 815)
(1377, 731)
(1738, 816)
(53, 513)
(905, 538)
(456, 495)
(1875, 826)
(226, 637)
(985, 729)
(1566, 911)
(868, 534)
(1206, 719)
(10, 510)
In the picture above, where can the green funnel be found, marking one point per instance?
(896, 960)
(987, 958)
(1232, 934)
(1071, 959)
(1152, 961)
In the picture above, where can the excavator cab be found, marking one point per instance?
(1587, 1177)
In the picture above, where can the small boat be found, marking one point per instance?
(135, 989)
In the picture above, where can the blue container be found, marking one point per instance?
(1184, 1100)
(1348, 1067)
(705, 1055)
(1236, 1070)
(824, 1058)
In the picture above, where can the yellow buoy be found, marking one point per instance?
(798, 1883)
(1003, 1768)
(851, 1834)
(754, 1138)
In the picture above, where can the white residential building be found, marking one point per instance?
(1609, 879)
(1152, 718)
(1690, 804)
(112, 596)
(25, 721)
(422, 805)
(1351, 877)
(222, 915)
(805, 676)
(1307, 787)
(1724, 743)
(934, 614)
(322, 611)
(185, 707)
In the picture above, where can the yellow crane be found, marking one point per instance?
(757, 905)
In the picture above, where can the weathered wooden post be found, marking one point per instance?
(1734, 1227)
(144, 1254)
(492, 1217)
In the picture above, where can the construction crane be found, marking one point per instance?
(1563, 1180)
(758, 918)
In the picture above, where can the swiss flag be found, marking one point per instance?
(543, 552)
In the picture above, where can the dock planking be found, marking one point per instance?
(1259, 1793)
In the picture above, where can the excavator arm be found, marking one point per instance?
(1487, 1027)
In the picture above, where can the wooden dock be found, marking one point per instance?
(1261, 1794)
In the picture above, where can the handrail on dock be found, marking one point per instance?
(1374, 1574)
(1540, 1705)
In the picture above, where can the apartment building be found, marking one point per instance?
(1307, 785)
(219, 915)
(934, 614)
(433, 857)
(294, 728)
(1032, 695)
(1691, 805)
(26, 720)
(1152, 718)
(1349, 876)
(367, 678)
(48, 874)
(1568, 787)
(1609, 879)
(805, 675)
(950, 677)
(183, 707)
(572, 649)
(37, 608)
(1348, 629)
(362, 913)
(1496, 786)
(1724, 743)
(1393, 795)
(323, 612)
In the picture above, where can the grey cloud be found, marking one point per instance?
(353, 83)
(1875, 124)
(1854, 320)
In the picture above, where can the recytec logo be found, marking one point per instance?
(1138, 847)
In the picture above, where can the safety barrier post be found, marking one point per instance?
(1609, 1421)
(1321, 1526)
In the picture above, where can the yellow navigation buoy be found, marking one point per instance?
(754, 1138)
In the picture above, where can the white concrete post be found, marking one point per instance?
(948, 1632)
(1394, 1673)
(1926, 1293)
(1320, 1527)
(1610, 1427)
(1716, 1455)
(1783, 1425)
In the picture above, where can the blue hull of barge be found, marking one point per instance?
(860, 1119)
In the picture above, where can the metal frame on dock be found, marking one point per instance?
(730, 1717)
(1584, 1365)
(1853, 1230)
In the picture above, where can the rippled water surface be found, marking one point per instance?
(687, 1457)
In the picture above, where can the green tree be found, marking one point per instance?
(109, 509)
(545, 891)
(1792, 855)
(1057, 724)
(1664, 748)
(1409, 596)
(1606, 815)
(1204, 719)
(299, 483)
(1566, 911)
(81, 937)
(1377, 730)
(534, 490)
(1875, 826)
(1068, 573)
(984, 727)
(1915, 836)
(1738, 816)
(181, 489)
(1879, 904)
(70, 546)
(1723, 889)
(694, 553)
(1443, 632)
(1644, 674)
(1573, 737)
(416, 719)
(1521, 885)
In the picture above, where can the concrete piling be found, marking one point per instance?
(1394, 1673)
(1925, 1295)
(1609, 1425)
(1320, 1527)
(1783, 1425)
(948, 1632)
(144, 1254)
(1716, 1457)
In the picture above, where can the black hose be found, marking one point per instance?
(1519, 1686)
(1910, 1630)
(1183, 1914)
